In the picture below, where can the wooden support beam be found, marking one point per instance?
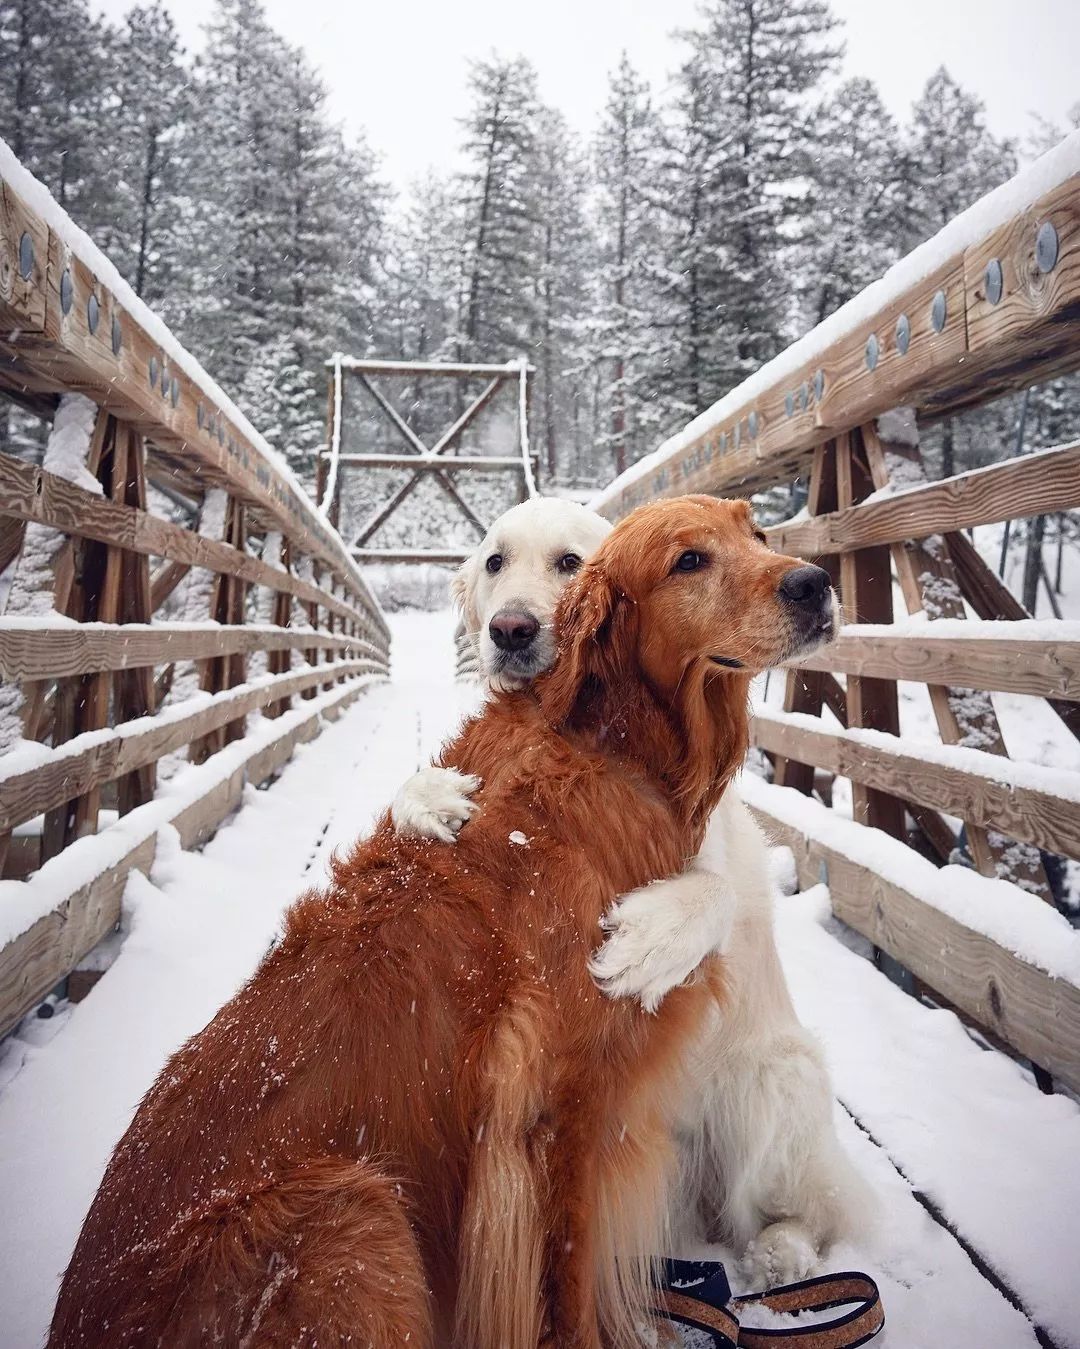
(866, 596)
(1032, 485)
(452, 436)
(1012, 662)
(33, 494)
(76, 767)
(964, 716)
(972, 784)
(473, 463)
(1037, 1014)
(447, 557)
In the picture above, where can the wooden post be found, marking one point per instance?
(866, 596)
(929, 583)
(226, 606)
(809, 690)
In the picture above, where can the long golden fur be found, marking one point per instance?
(420, 1122)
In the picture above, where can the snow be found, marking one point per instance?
(335, 443)
(39, 200)
(993, 767)
(1020, 922)
(964, 1125)
(969, 228)
(23, 903)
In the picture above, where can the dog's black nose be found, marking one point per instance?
(805, 585)
(513, 630)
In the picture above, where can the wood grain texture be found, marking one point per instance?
(1046, 669)
(1013, 490)
(176, 409)
(40, 957)
(1036, 1014)
(981, 352)
(1041, 818)
(30, 493)
(43, 653)
(72, 771)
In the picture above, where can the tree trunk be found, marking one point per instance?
(1033, 561)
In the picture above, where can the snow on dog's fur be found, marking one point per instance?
(420, 1121)
(761, 1164)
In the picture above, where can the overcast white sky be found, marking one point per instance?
(397, 68)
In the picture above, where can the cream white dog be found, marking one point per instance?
(761, 1167)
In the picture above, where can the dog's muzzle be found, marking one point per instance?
(807, 595)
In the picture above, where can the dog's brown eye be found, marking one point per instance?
(759, 534)
(689, 561)
(494, 563)
(568, 563)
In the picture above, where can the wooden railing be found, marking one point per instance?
(990, 305)
(90, 701)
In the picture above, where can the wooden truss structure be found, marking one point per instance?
(440, 459)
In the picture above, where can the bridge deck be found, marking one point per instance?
(977, 1171)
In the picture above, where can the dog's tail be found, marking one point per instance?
(502, 1243)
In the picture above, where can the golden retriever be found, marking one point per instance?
(420, 1121)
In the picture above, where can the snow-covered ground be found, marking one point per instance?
(961, 1124)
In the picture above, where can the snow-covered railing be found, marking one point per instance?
(990, 304)
(99, 690)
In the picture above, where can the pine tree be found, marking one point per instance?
(738, 151)
(564, 260)
(625, 345)
(147, 148)
(854, 218)
(499, 208)
(54, 77)
(955, 158)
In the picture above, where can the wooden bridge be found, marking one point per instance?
(156, 672)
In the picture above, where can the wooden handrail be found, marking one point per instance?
(940, 344)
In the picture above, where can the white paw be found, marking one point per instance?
(657, 937)
(782, 1253)
(434, 803)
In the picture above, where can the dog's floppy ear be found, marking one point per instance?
(591, 622)
(463, 593)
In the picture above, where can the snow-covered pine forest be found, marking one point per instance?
(644, 269)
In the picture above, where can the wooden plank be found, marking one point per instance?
(474, 463)
(1046, 669)
(764, 430)
(72, 770)
(964, 716)
(36, 960)
(992, 599)
(1023, 1005)
(474, 409)
(1032, 485)
(92, 343)
(44, 653)
(30, 493)
(447, 557)
(363, 367)
(227, 608)
(944, 782)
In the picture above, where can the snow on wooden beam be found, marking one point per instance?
(1033, 485)
(510, 370)
(1036, 657)
(450, 557)
(72, 322)
(931, 334)
(478, 463)
(1000, 955)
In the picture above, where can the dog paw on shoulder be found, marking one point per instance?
(657, 937)
(435, 803)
